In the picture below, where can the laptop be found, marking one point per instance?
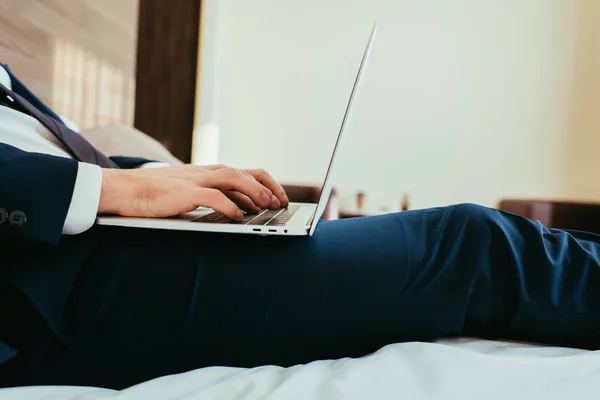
(298, 219)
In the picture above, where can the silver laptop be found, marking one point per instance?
(298, 219)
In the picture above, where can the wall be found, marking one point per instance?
(205, 146)
(467, 100)
(78, 56)
(584, 132)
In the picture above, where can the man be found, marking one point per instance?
(112, 307)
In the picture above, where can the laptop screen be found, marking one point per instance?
(326, 188)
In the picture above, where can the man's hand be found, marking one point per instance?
(165, 192)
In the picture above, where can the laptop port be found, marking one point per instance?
(256, 230)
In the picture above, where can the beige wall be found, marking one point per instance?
(465, 100)
(77, 55)
(584, 133)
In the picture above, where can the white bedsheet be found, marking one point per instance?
(452, 369)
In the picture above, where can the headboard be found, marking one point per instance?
(72, 54)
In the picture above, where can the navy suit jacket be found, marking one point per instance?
(40, 186)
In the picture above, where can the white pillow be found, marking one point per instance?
(122, 140)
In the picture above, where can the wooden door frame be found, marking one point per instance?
(166, 72)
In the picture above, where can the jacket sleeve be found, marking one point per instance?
(38, 187)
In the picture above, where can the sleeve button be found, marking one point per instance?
(17, 218)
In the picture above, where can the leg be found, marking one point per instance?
(154, 303)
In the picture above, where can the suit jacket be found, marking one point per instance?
(37, 187)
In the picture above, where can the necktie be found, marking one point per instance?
(80, 148)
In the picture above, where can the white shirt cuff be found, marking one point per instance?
(155, 164)
(86, 197)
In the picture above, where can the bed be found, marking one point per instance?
(464, 368)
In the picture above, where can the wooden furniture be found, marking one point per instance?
(167, 58)
(557, 214)
(311, 194)
(352, 214)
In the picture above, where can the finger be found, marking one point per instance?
(215, 199)
(275, 203)
(267, 180)
(231, 179)
(243, 201)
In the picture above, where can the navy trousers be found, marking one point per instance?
(149, 303)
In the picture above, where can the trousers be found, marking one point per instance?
(148, 303)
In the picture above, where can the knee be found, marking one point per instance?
(469, 210)
(478, 218)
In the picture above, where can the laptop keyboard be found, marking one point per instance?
(262, 218)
